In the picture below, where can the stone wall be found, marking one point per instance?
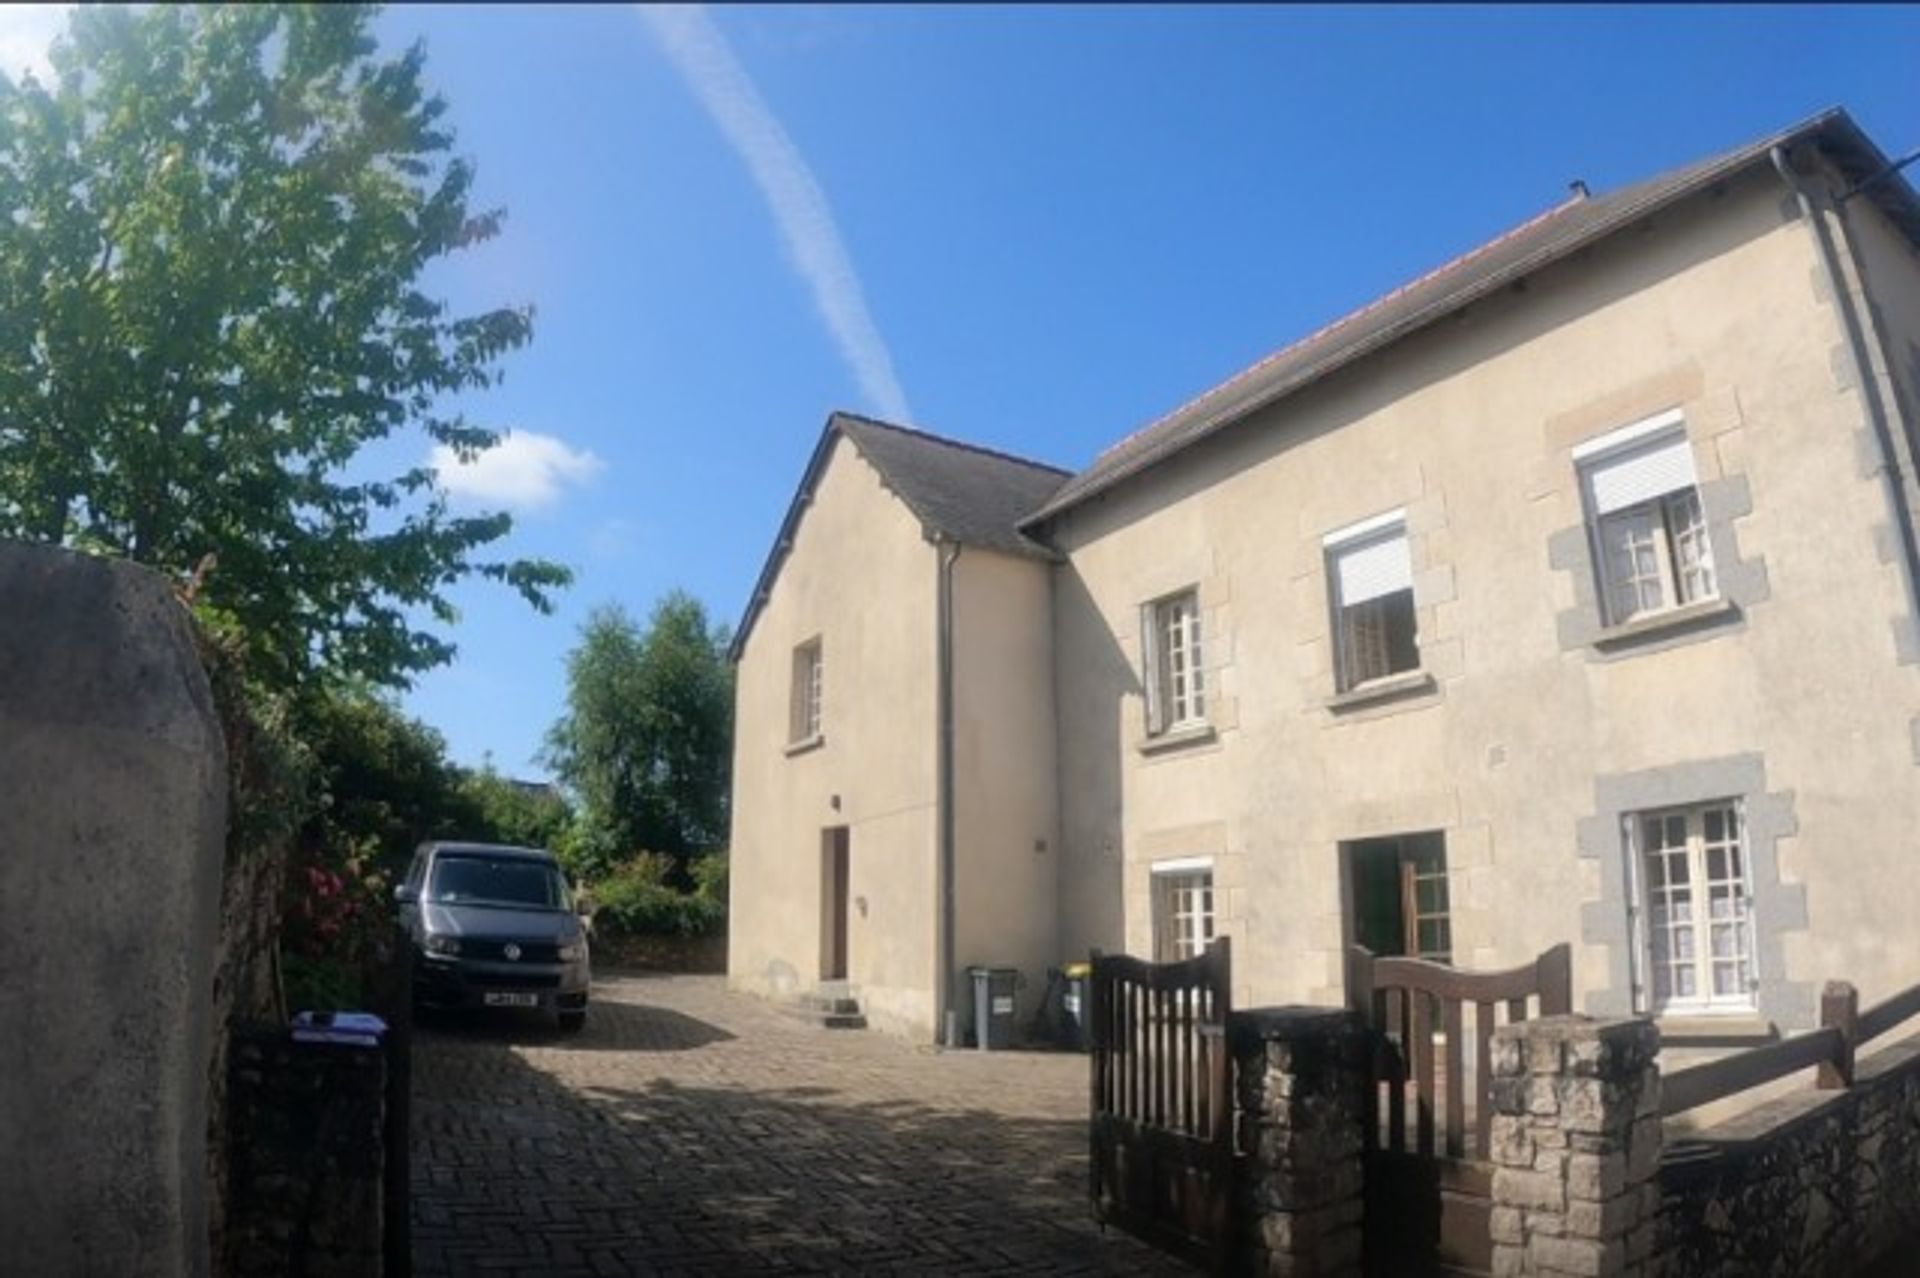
(264, 792)
(113, 806)
(1300, 1083)
(698, 954)
(1575, 1143)
(308, 1192)
(1816, 1182)
(1586, 1181)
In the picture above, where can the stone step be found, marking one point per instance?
(829, 1003)
(833, 1006)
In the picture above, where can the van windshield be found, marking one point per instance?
(487, 880)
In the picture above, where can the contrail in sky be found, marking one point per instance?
(703, 58)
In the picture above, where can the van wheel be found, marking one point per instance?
(572, 1022)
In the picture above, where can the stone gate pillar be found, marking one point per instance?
(1301, 1076)
(112, 829)
(1575, 1145)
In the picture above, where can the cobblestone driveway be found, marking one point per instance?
(690, 1130)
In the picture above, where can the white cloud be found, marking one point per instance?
(524, 471)
(799, 207)
(26, 30)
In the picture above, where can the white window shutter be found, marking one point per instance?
(1150, 667)
(1650, 471)
(1374, 568)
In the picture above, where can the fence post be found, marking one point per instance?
(1840, 1010)
(1301, 1074)
(1575, 1146)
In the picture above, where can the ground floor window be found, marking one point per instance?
(1399, 901)
(1695, 908)
(1182, 909)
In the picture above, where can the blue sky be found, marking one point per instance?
(1052, 225)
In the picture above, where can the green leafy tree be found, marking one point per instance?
(518, 812)
(218, 219)
(384, 780)
(646, 742)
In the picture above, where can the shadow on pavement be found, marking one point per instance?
(515, 1168)
(614, 1027)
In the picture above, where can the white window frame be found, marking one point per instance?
(805, 696)
(1378, 530)
(1183, 928)
(1665, 526)
(1174, 671)
(1703, 892)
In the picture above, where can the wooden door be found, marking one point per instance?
(835, 888)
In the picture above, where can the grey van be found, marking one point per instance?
(494, 926)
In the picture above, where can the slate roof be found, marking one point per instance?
(1552, 235)
(972, 495)
(980, 497)
(963, 492)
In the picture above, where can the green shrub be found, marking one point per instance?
(322, 984)
(647, 867)
(635, 901)
(709, 875)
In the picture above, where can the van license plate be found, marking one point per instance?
(495, 998)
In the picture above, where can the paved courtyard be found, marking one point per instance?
(690, 1130)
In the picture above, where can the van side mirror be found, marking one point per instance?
(406, 894)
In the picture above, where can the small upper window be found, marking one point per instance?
(805, 721)
(1371, 572)
(1649, 532)
(1176, 681)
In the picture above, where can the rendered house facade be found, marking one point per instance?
(1568, 593)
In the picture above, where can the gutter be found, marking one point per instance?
(1887, 449)
(945, 1014)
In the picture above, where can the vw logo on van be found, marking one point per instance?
(511, 950)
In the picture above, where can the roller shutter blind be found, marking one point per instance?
(1374, 568)
(1640, 475)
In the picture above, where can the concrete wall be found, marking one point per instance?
(1006, 818)
(1890, 274)
(862, 578)
(1531, 730)
(1886, 272)
(112, 824)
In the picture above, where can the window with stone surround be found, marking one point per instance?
(1370, 573)
(1182, 909)
(1644, 515)
(1694, 902)
(1175, 677)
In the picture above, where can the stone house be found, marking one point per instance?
(1567, 593)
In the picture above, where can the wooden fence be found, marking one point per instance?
(1162, 1127)
(1844, 1030)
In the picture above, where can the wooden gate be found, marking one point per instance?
(1429, 1193)
(1162, 1125)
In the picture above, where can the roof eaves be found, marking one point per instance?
(948, 441)
(783, 540)
(1206, 425)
